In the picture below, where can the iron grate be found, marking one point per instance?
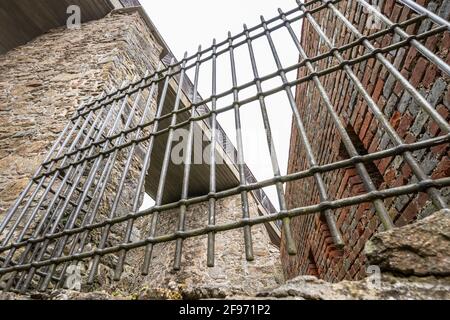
(48, 226)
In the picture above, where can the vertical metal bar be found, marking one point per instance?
(330, 218)
(164, 93)
(149, 248)
(167, 154)
(187, 166)
(141, 183)
(290, 243)
(59, 213)
(240, 150)
(212, 160)
(43, 197)
(120, 186)
(348, 144)
(121, 139)
(100, 189)
(415, 167)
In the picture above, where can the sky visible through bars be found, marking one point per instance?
(197, 23)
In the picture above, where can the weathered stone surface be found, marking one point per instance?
(420, 249)
(63, 295)
(391, 287)
(43, 82)
(232, 274)
(414, 261)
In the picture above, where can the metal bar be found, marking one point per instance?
(77, 179)
(46, 215)
(240, 150)
(100, 189)
(181, 215)
(66, 179)
(212, 161)
(47, 190)
(334, 204)
(290, 243)
(58, 250)
(418, 8)
(140, 185)
(345, 138)
(159, 195)
(120, 186)
(187, 162)
(249, 187)
(330, 218)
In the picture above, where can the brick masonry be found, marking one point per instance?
(316, 253)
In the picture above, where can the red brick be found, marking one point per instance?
(410, 138)
(408, 214)
(443, 169)
(392, 12)
(389, 176)
(365, 125)
(405, 122)
(418, 71)
(422, 199)
(410, 58)
(378, 89)
(406, 170)
(395, 119)
(430, 76)
(431, 43)
(446, 40)
(439, 149)
(384, 163)
(373, 146)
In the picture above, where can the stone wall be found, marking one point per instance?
(317, 255)
(41, 84)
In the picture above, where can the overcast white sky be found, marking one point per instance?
(186, 24)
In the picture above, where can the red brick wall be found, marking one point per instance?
(316, 253)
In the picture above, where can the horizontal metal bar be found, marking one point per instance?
(334, 204)
(249, 187)
(241, 103)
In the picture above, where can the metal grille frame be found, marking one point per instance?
(81, 160)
